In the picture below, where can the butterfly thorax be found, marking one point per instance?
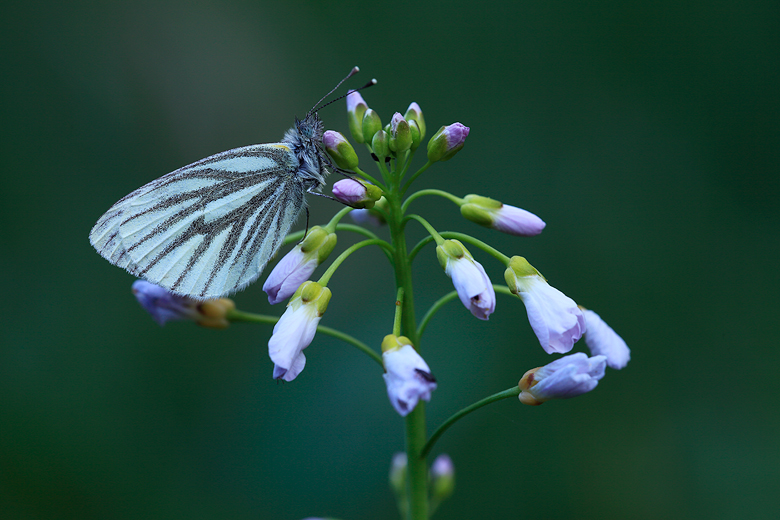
(305, 139)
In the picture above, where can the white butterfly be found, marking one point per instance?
(207, 230)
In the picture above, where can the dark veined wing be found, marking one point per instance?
(208, 229)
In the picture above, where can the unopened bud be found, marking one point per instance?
(340, 150)
(371, 125)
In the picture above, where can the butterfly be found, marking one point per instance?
(208, 229)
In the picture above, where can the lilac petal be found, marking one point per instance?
(602, 340)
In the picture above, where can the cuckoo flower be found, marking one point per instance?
(603, 341)
(554, 317)
(502, 217)
(165, 306)
(566, 377)
(295, 330)
(469, 278)
(407, 375)
(297, 266)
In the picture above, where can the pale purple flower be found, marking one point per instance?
(566, 377)
(295, 330)
(442, 477)
(165, 306)
(474, 288)
(289, 273)
(398, 472)
(517, 221)
(603, 341)
(473, 285)
(162, 304)
(366, 216)
(554, 317)
(442, 466)
(407, 375)
(502, 217)
(297, 266)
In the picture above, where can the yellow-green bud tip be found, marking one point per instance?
(393, 342)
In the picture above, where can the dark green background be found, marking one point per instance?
(644, 133)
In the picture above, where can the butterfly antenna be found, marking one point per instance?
(354, 71)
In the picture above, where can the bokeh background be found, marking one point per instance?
(645, 133)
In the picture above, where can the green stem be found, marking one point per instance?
(360, 230)
(239, 316)
(511, 392)
(325, 278)
(498, 255)
(369, 178)
(407, 162)
(435, 234)
(330, 227)
(399, 302)
(440, 193)
(417, 468)
(438, 304)
(416, 174)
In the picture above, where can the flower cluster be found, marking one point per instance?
(555, 318)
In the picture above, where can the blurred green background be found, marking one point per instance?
(646, 134)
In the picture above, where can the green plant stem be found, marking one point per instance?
(369, 178)
(440, 193)
(413, 177)
(498, 255)
(360, 230)
(399, 302)
(511, 392)
(417, 468)
(325, 278)
(438, 304)
(434, 234)
(239, 316)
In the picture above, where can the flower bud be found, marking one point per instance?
(380, 144)
(356, 108)
(442, 478)
(564, 378)
(340, 150)
(213, 313)
(407, 375)
(356, 193)
(371, 125)
(398, 473)
(493, 214)
(414, 113)
(416, 135)
(298, 265)
(447, 142)
(165, 306)
(400, 134)
(295, 329)
(554, 317)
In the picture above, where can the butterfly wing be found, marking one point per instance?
(208, 229)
